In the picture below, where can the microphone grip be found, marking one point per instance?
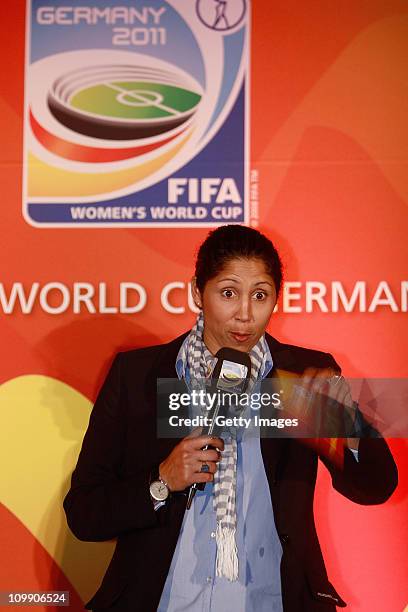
(201, 485)
(197, 486)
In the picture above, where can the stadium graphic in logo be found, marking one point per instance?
(107, 127)
(122, 102)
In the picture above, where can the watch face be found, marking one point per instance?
(158, 490)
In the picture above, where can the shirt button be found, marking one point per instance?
(209, 579)
(213, 534)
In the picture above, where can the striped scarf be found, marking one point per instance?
(201, 363)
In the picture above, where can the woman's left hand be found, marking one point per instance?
(320, 383)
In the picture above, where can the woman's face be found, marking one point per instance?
(237, 305)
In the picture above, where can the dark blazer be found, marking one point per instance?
(109, 496)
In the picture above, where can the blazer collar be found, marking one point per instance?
(166, 363)
(282, 355)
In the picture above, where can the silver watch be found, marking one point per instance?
(159, 489)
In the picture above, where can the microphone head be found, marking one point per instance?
(232, 370)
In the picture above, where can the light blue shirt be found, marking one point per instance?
(191, 583)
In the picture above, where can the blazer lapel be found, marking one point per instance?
(165, 367)
(274, 450)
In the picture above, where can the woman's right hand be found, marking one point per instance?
(183, 466)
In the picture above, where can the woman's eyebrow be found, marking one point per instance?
(235, 280)
(232, 280)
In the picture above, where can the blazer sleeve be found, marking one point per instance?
(374, 477)
(101, 504)
(370, 480)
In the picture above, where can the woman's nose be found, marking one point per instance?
(244, 311)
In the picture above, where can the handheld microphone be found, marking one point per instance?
(231, 375)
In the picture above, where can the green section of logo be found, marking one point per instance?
(135, 100)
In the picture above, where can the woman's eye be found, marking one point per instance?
(260, 295)
(228, 293)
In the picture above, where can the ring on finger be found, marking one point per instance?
(205, 467)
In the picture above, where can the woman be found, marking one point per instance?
(249, 541)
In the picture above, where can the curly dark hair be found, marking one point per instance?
(235, 241)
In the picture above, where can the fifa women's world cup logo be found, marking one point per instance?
(118, 99)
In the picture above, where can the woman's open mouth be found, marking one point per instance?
(240, 337)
